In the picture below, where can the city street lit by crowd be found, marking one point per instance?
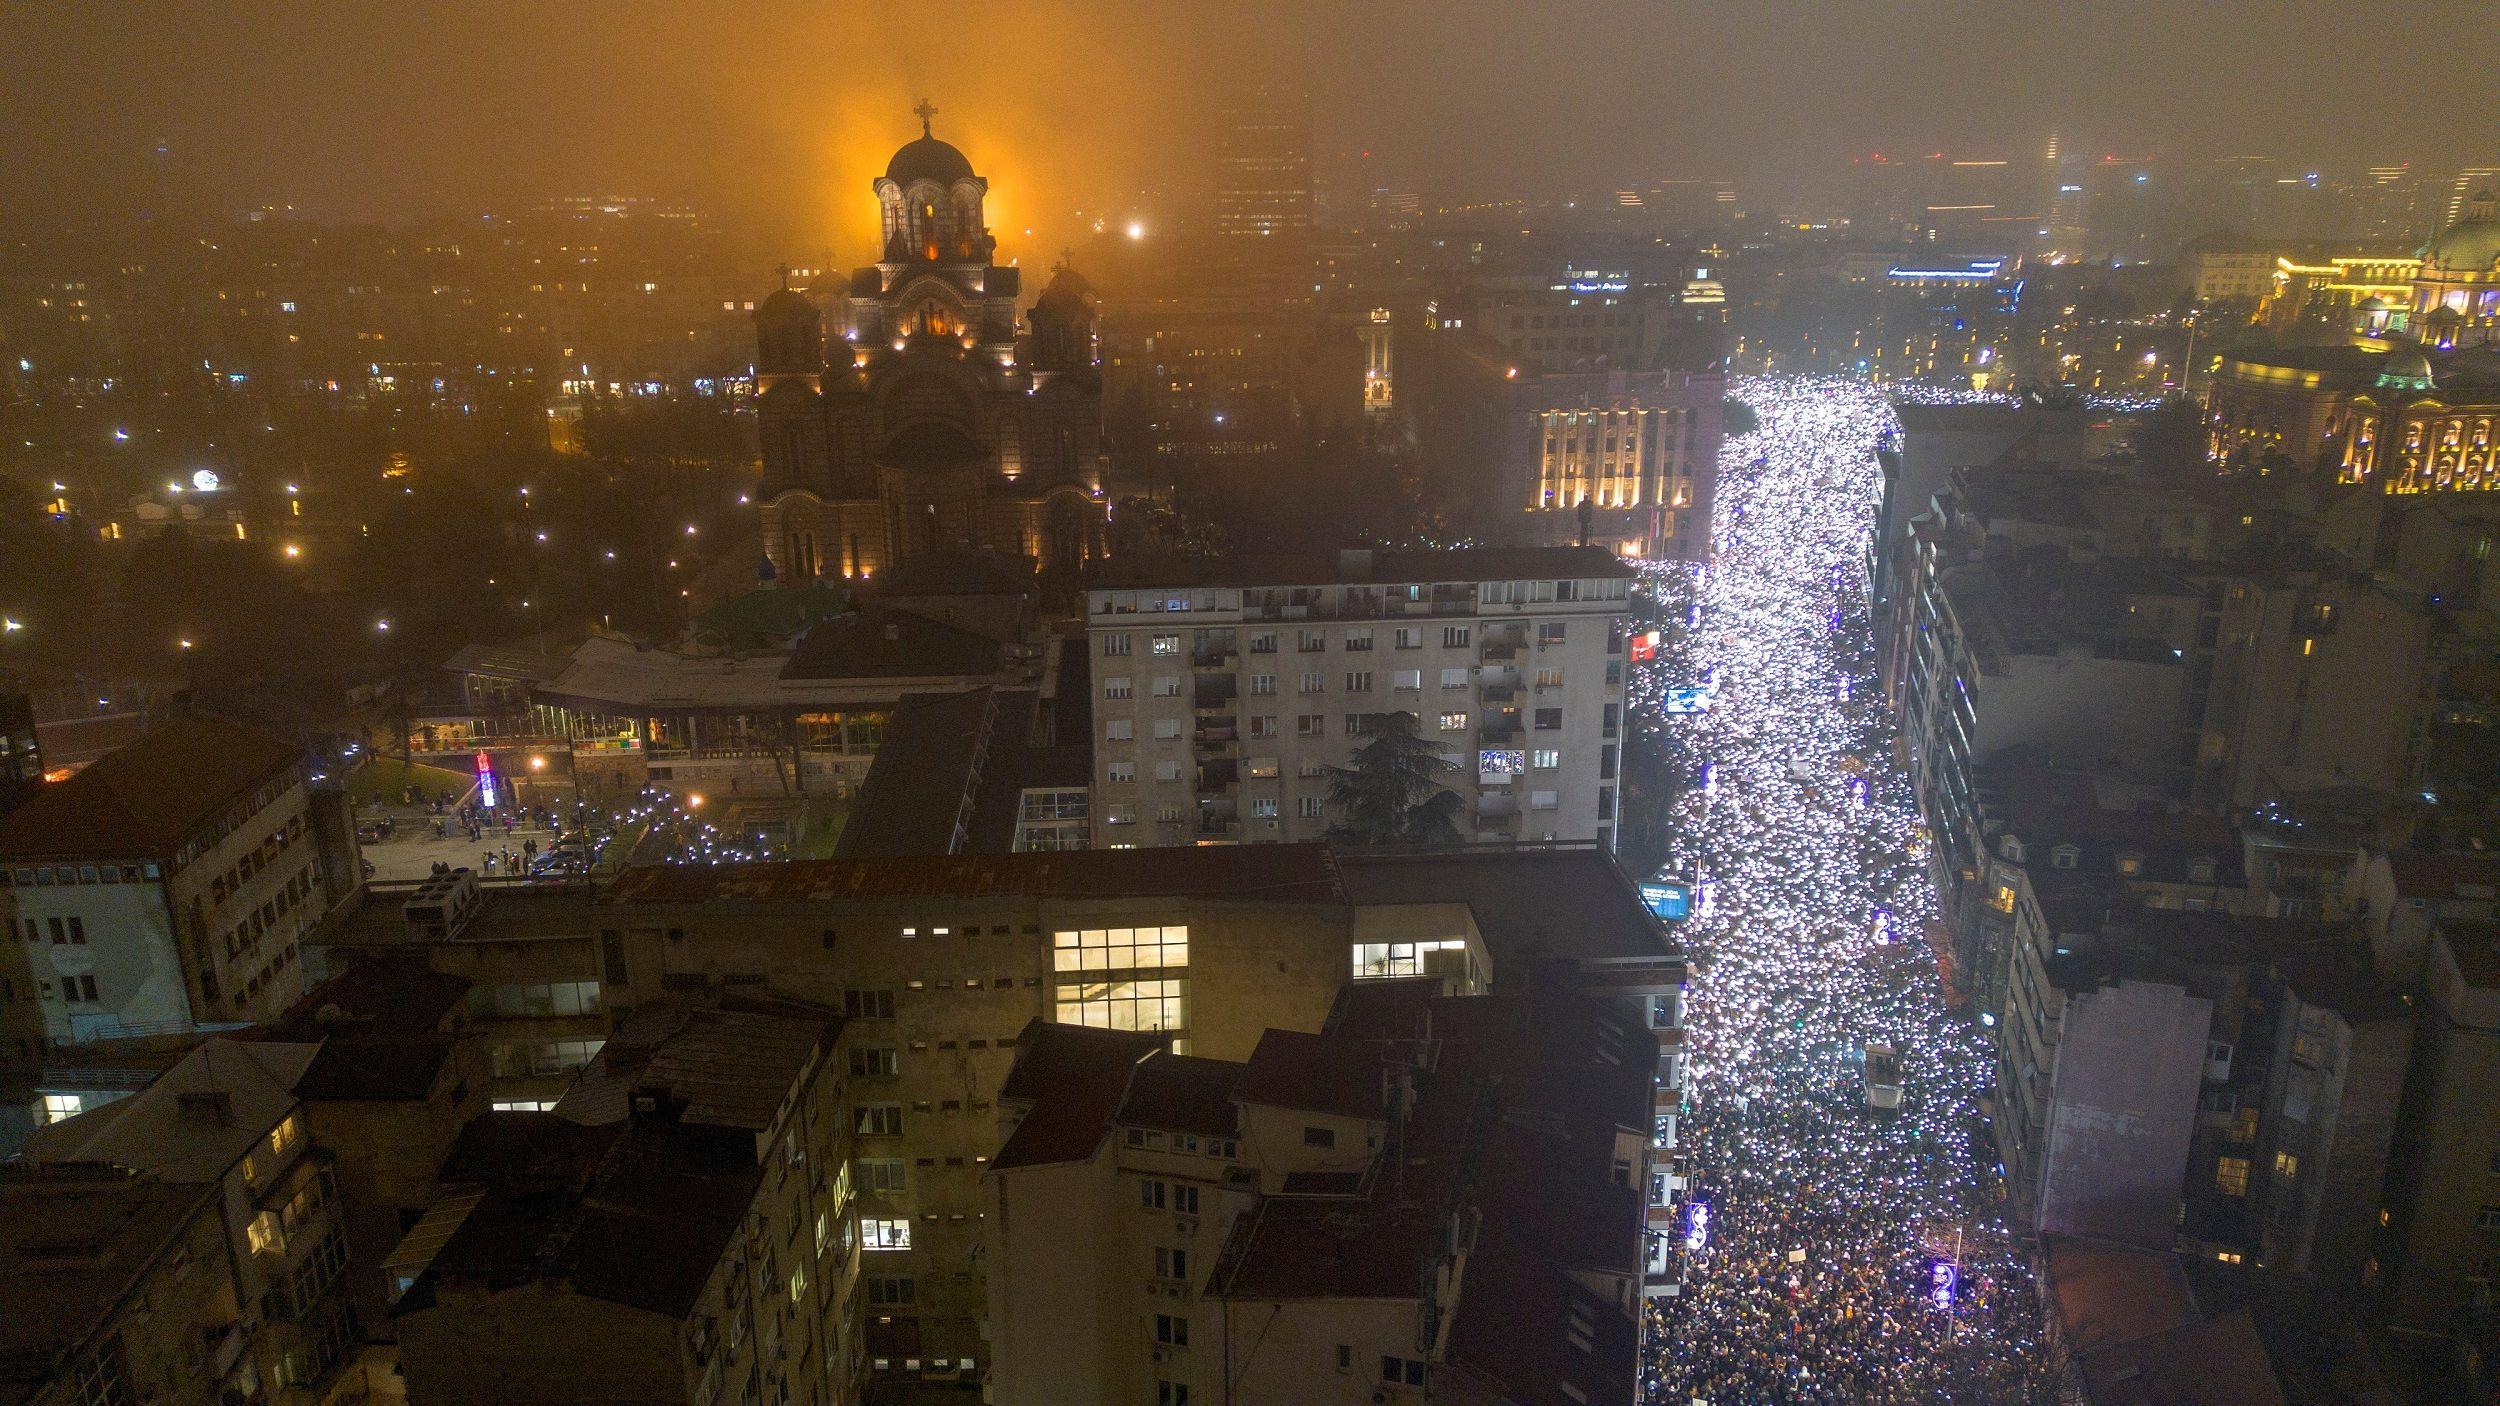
(1833, 1251)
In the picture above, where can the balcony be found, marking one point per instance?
(1220, 774)
(1499, 727)
(1215, 692)
(1502, 652)
(1216, 735)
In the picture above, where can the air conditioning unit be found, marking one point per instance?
(1162, 1354)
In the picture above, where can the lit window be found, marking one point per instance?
(885, 1234)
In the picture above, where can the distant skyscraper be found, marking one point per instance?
(1263, 177)
(2470, 182)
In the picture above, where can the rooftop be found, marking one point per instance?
(637, 1211)
(195, 1121)
(145, 800)
(1315, 1074)
(1531, 903)
(1302, 873)
(731, 1062)
(1366, 567)
(877, 643)
(74, 1241)
(382, 1027)
(1072, 1080)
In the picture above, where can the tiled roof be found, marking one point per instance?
(1305, 873)
(194, 1121)
(1182, 1094)
(877, 643)
(1072, 1079)
(733, 1061)
(636, 1212)
(1315, 1074)
(144, 800)
(74, 1241)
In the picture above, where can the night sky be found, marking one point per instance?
(783, 110)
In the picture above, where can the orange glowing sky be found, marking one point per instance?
(780, 110)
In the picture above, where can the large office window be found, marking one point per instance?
(1123, 978)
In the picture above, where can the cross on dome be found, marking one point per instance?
(924, 112)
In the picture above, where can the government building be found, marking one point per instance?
(912, 412)
(2408, 405)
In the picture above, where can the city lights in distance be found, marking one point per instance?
(1137, 229)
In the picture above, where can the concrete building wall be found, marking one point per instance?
(1218, 722)
(1289, 1353)
(490, 1349)
(2442, 1252)
(1053, 1315)
(2122, 1110)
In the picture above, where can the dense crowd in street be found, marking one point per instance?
(1832, 1251)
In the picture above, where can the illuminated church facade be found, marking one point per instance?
(913, 413)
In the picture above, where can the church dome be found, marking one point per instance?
(2408, 369)
(1067, 289)
(929, 159)
(2471, 245)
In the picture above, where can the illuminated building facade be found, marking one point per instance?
(936, 422)
(2410, 416)
(1626, 460)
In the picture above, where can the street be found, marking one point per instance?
(1848, 1253)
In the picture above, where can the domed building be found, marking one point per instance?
(912, 413)
(2456, 292)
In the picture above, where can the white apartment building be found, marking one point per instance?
(166, 888)
(1223, 691)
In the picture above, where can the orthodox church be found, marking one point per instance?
(912, 414)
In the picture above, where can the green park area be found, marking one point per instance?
(384, 780)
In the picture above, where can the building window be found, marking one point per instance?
(543, 998)
(1401, 1371)
(1545, 760)
(1358, 681)
(877, 1119)
(868, 1005)
(1549, 719)
(1453, 678)
(1171, 1330)
(1167, 644)
(2231, 1176)
(1115, 646)
(1171, 1263)
(1312, 807)
(2286, 1166)
(1311, 725)
(872, 1063)
(1262, 685)
(1319, 1137)
(1171, 1393)
(1118, 730)
(1122, 978)
(892, 1291)
(1118, 688)
(1123, 771)
(1454, 636)
(879, 1234)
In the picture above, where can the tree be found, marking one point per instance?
(1391, 795)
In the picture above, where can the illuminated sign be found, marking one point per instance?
(1645, 647)
(1696, 1224)
(1691, 699)
(1671, 900)
(486, 781)
(1942, 1279)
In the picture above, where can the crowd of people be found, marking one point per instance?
(1831, 1251)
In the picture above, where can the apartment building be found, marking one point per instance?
(228, 1122)
(1224, 691)
(1437, 1197)
(168, 887)
(938, 964)
(114, 1287)
(2441, 1253)
(699, 1247)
